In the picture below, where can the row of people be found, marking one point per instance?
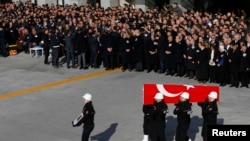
(154, 122)
(175, 44)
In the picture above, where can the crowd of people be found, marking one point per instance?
(207, 47)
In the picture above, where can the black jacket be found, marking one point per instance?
(159, 112)
(183, 111)
(88, 114)
(209, 111)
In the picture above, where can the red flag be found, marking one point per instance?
(172, 92)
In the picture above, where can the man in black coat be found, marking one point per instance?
(183, 110)
(138, 50)
(3, 41)
(159, 111)
(46, 45)
(55, 45)
(209, 113)
(80, 42)
(161, 51)
(234, 64)
(107, 42)
(244, 65)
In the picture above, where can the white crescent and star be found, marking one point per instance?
(162, 90)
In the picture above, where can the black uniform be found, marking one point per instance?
(209, 114)
(183, 111)
(46, 47)
(147, 119)
(87, 120)
(158, 123)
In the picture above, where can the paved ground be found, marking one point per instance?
(38, 102)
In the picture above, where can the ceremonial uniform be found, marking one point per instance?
(183, 111)
(158, 113)
(88, 117)
(209, 113)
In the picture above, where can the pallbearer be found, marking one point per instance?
(209, 113)
(183, 110)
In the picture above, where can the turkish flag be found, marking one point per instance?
(172, 92)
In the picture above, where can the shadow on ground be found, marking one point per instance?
(106, 134)
(195, 127)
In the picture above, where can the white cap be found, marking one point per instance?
(213, 95)
(87, 96)
(185, 95)
(158, 96)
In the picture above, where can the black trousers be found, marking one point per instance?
(87, 129)
(55, 56)
(158, 132)
(181, 132)
(109, 62)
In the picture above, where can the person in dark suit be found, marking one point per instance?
(244, 65)
(138, 50)
(190, 56)
(117, 55)
(179, 49)
(151, 54)
(107, 42)
(3, 41)
(161, 51)
(209, 113)
(46, 45)
(222, 66)
(234, 64)
(94, 48)
(55, 45)
(169, 55)
(80, 42)
(159, 111)
(126, 51)
(202, 62)
(70, 50)
(88, 117)
(183, 110)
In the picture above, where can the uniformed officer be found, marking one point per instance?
(159, 111)
(88, 117)
(183, 110)
(209, 113)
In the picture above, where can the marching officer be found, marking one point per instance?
(88, 117)
(183, 110)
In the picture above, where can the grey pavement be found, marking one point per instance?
(46, 114)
